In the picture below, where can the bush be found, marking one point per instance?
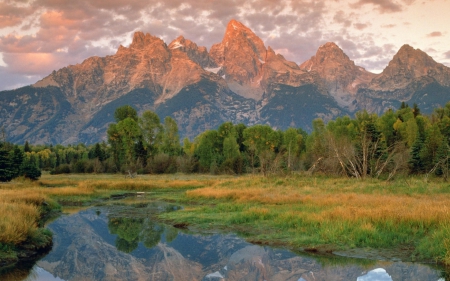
(61, 169)
(79, 166)
(233, 165)
(187, 164)
(161, 163)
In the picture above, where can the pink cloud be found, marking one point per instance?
(12, 15)
(384, 6)
(360, 26)
(435, 34)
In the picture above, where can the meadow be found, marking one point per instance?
(300, 212)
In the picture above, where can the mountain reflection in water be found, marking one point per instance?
(124, 243)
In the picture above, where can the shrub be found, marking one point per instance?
(161, 163)
(61, 169)
(79, 166)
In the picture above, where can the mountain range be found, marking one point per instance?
(238, 80)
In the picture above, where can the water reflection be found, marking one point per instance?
(125, 243)
(378, 274)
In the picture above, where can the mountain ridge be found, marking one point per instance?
(238, 80)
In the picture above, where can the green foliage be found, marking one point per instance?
(152, 131)
(30, 169)
(416, 165)
(208, 149)
(125, 112)
(171, 138)
(6, 169)
(131, 231)
(399, 141)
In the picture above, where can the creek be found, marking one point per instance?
(123, 241)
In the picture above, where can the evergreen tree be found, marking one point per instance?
(6, 171)
(415, 162)
(17, 157)
(27, 147)
(441, 159)
(99, 153)
(31, 171)
(416, 110)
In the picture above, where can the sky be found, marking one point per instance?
(39, 36)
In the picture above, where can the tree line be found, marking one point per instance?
(401, 141)
(15, 162)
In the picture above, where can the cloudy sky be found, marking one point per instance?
(39, 36)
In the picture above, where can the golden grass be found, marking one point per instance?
(20, 200)
(343, 206)
(17, 222)
(338, 206)
(294, 200)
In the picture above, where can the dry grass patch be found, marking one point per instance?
(17, 222)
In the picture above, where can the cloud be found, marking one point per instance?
(383, 6)
(447, 55)
(11, 14)
(360, 26)
(435, 34)
(342, 18)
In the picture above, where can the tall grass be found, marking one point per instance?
(22, 201)
(20, 213)
(306, 211)
(301, 211)
(17, 222)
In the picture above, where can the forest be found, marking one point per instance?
(399, 142)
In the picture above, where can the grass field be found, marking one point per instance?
(296, 211)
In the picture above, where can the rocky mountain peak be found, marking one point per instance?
(236, 32)
(241, 55)
(141, 40)
(413, 62)
(329, 59)
(407, 65)
(338, 73)
(197, 54)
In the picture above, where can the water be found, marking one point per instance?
(123, 242)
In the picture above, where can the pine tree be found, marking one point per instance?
(6, 171)
(415, 162)
(30, 169)
(441, 159)
(27, 147)
(17, 158)
(416, 110)
(99, 153)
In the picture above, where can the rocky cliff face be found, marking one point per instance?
(238, 80)
(241, 55)
(411, 76)
(338, 74)
(408, 65)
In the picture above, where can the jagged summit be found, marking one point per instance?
(197, 54)
(141, 40)
(241, 55)
(341, 77)
(407, 65)
(238, 80)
